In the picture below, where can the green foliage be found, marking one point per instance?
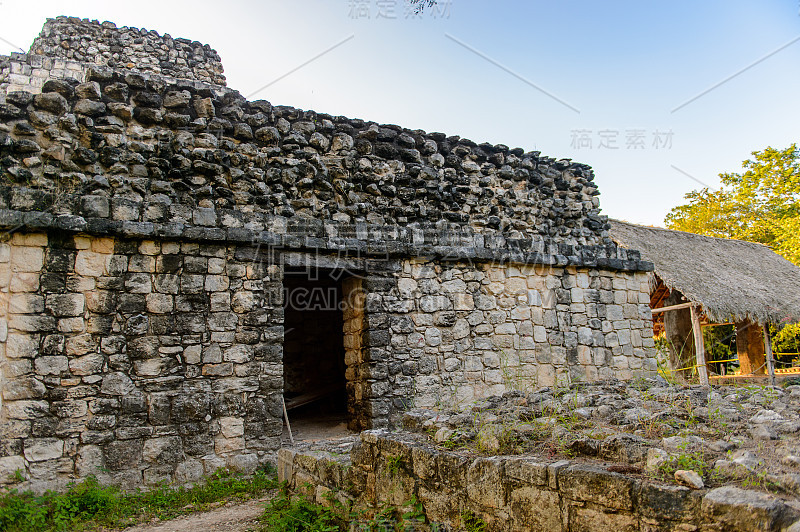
(394, 464)
(720, 343)
(759, 481)
(287, 513)
(762, 204)
(786, 339)
(87, 503)
(687, 460)
(472, 523)
(295, 513)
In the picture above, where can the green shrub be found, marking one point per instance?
(286, 513)
(88, 504)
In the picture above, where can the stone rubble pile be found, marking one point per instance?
(730, 434)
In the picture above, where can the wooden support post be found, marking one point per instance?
(699, 346)
(286, 417)
(770, 358)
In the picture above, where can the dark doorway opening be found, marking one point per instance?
(313, 354)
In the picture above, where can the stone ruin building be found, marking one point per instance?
(175, 258)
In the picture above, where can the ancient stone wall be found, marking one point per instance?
(27, 72)
(91, 42)
(149, 221)
(256, 160)
(475, 330)
(512, 493)
(136, 360)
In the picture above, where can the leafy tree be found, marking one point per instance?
(761, 204)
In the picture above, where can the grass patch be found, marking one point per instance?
(287, 513)
(87, 505)
(294, 512)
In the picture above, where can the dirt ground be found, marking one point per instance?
(241, 517)
(233, 517)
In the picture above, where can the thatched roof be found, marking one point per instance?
(729, 278)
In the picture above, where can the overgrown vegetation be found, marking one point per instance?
(88, 505)
(295, 513)
(472, 523)
(687, 460)
(288, 513)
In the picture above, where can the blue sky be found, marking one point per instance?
(625, 66)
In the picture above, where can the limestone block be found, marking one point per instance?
(117, 384)
(89, 461)
(231, 427)
(461, 329)
(152, 367)
(80, 345)
(76, 325)
(193, 354)
(138, 283)
(25, 410)
(594, 484)
(463, 302)
(166, 450)
(238, 354)
(598, 519)
(123, 454)
(9, 466)
(23, 388)
(242, 301)
(732, 508)
(189, 471)
(433, 336)
(51, 365)
(89, 364)
(22, 345)
(17, 367)
(27, 259)
(535, 509)
(64, 305)
(23, 281)
(485, 483)
(221, 302)
(91, 264)
(224, 445)
(40, 449)
(159, 303)
(25, 304)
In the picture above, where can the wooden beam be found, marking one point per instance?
(770, 359)
(699, 346)
(286, 417)
(673, 307)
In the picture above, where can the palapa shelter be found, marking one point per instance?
(707, 280)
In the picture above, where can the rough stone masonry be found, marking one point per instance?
(151, 216)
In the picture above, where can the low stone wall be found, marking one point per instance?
(91, 42)
(521, 493)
